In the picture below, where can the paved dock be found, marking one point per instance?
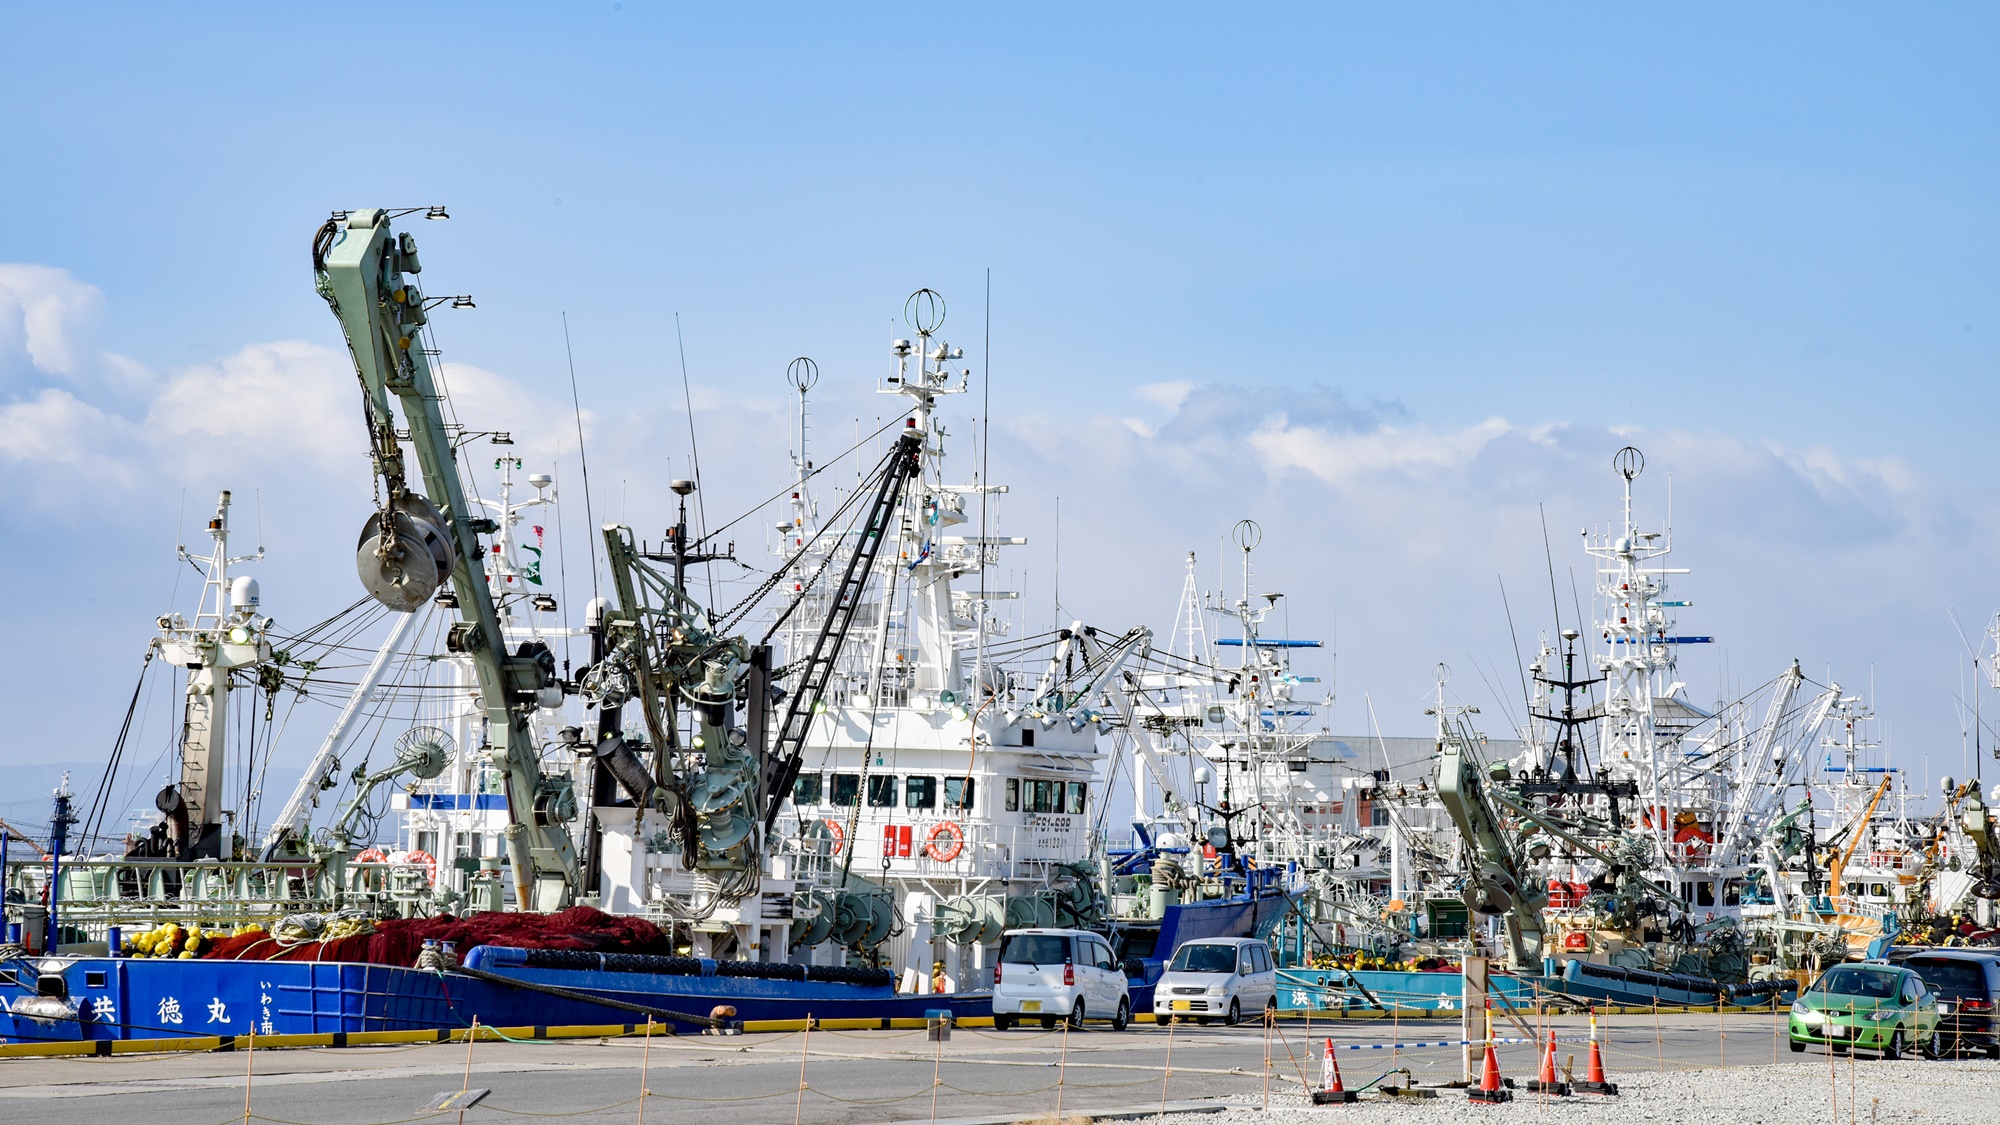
(879, 1076)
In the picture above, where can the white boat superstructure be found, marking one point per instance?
(949, 788)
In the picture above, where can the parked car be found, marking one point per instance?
(1871, 1007)
(1213, 978)
(1058, 974)
(1967, 982)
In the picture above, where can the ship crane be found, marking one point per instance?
(788, 752)
(1501, 883)
(415, 542)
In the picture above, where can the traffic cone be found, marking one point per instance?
(1331, 1092)
(1596, 1084)
(1547, 1082)
(1490, 1090)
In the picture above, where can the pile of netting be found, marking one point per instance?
(397, 941)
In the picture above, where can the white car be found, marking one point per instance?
(1217, 977)
(1054, 975)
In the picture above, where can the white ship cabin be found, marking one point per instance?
(903, 788)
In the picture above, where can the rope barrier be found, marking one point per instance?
(1623, 1041)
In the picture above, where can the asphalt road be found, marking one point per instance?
(851, 1077)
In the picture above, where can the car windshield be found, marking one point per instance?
(1850, 980)
(1036, 949)
(1953, 977)
(1204, 959)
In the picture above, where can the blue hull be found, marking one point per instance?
(120, 998)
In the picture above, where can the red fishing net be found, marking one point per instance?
(396, 941)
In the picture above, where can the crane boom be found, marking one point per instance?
(366, 272)
(782, 764)
(1501, 884)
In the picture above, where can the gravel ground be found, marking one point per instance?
(1799, 1093)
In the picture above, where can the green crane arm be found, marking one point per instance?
(1465, 798)
(367, 272)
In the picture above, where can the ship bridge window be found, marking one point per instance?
(806, 790)
(958, 792)
(1079, 795)
(1013, 794)
(1704, 893)
(1027, 736)
(1732, 892)
(847, 789)
(882, 791)
(1878, 890)
(920, 792)
(1044, 796)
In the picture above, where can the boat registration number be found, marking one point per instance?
(1031, 1005)
(1180, 1005)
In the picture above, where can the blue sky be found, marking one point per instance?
(1398, 280)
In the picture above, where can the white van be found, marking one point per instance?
(1052, 975)
(1217, 977)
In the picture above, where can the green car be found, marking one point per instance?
(1884, 1008)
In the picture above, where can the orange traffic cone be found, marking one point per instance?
(1331, 1092)
(1596, 1083)
(1490, 1090)
(1547, 1082)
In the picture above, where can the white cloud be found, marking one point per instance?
(1392, 526)
(48, 333)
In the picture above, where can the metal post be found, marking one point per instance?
(1472, 999)
(58, 834)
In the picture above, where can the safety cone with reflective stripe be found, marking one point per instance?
(1491, 1090)
(1331, 1092)
(1547, 1082)
(1596, 1083)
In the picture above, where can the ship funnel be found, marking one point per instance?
(405, 557)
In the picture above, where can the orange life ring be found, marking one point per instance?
(949, 852)
(839, 834)
(371, 855)
(429, 863)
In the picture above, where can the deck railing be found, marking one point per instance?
(138, 894)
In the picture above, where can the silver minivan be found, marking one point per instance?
(1054, 975)
(1212, 978)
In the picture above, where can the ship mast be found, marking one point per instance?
(1638, 660)
(227, 633)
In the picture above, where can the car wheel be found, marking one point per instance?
(1893, 1050)
(1271, 1009)
(1002, 1023)
(1837, 1048)
(1798, 1048)
(1124, 1017)
(1235, 1015)
(1933, 1047)
(1076, 1014)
